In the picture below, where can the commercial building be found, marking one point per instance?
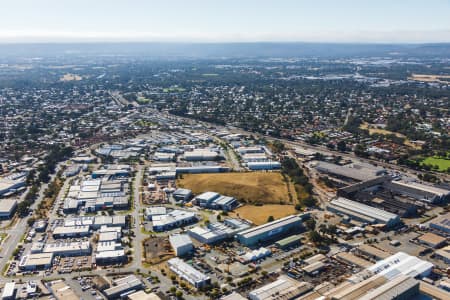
(36, 261)
(282, 288)
(217, 232)
(123, 286)
(7, 208)
(362, 212)
(214, 200)
(110, 257)
(271, 230)
(188, 273)
(181, 244)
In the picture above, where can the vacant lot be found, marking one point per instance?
(249, 187)
(157, 249)
(374, 130)
(442, 163)
(260, 214)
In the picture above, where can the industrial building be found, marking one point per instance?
(217, 232)
(282, 288)
(7, 208)
(201, 155)
(271, 230)
(123, 286)
(183, 195)
(10, 185)
(432, 240)
(9, 291)
(264, 165)
(188, 273)
(355, 172)
(214, 200)
(441, 223)
(402, 263)
(173, 219)
(36, 261)
(64, 248)
(71, 231)
(419, 191)
(181, 244)
(110, 257)
(289, 241)
(362, 212)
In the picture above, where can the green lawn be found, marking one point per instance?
(442, 163)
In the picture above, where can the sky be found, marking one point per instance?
(361, 21)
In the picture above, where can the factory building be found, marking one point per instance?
(7, 208)
(71, 231)
(217, 232)
(422, 192)
(181, 244)
(65, 248)
(271, 230)
(214, 200)
(9, 291)
(362, 212)
(110, 257)
(122, 286)
(402, 263)
(355, 172)
(188, 273)
(282, 288)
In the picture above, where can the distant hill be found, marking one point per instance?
(227, 50)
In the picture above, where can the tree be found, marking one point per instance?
(341, 146)
(270, 219)
(310, 224)
(315, 237)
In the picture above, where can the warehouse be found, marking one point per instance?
(122, 286)
(7, 208)
(271, 230)
(402, 263)
(71, 231)
(201, 155)
(252, 149)
(283, 288)
(37, 261)
(9, 291)
(293, 240)
(110, 257)
(264, 165)
(10, 185)
(441, 223)
(183, 195)
(422, 192)
(68, 249)
(432, 240)
(202, 169)
(153, 211)
(181, 244)
(216, 232)
(371, 252)
(362, 212)
(214, 200)
(188, 273)
(175, 218)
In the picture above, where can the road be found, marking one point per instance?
(139, 236)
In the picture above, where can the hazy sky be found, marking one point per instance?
(226, 20)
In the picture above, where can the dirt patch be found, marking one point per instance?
(157, 250)
(249, 187)
(259, 214)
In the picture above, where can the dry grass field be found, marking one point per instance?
(259, 214)
(374, 130)
(248, 187)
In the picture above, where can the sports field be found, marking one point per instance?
(248, 187)
(442, 163)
